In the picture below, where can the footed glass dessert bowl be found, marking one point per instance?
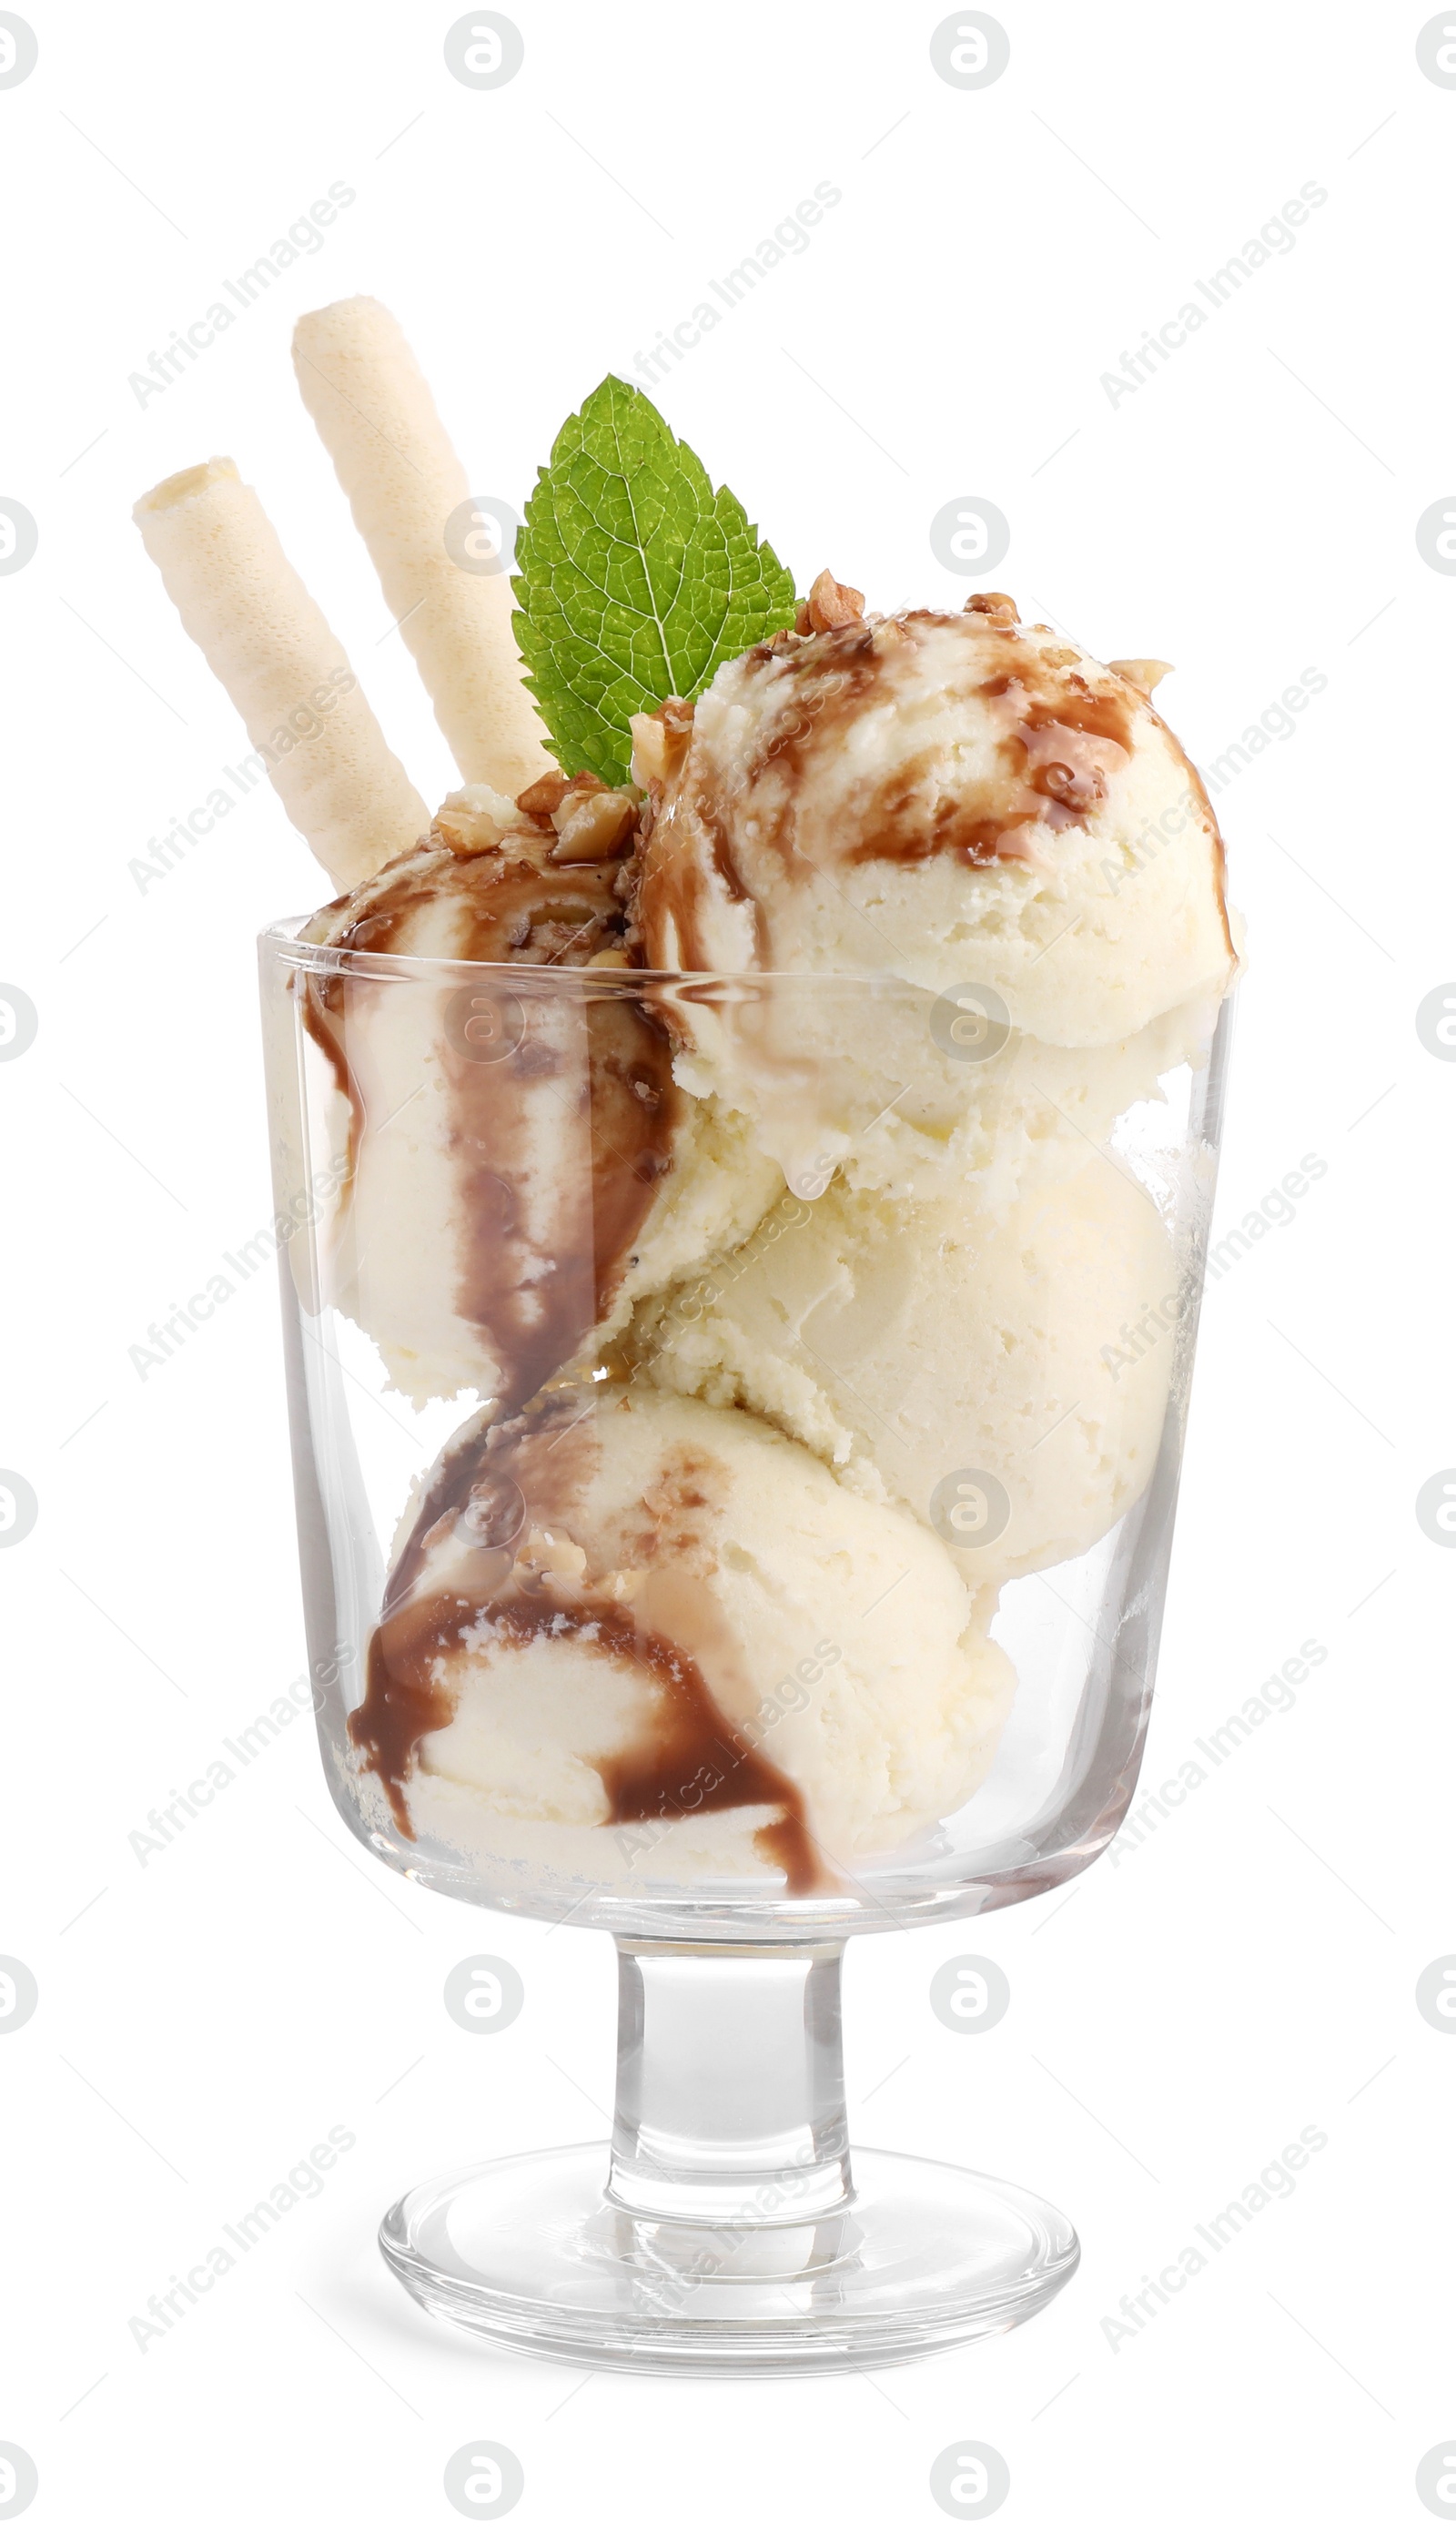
(748, 1155)
(737, 1422)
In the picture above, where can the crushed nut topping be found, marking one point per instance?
(648, 749)
(994, 603)
(592, 825)
(472, 820)
(829, 602)
(547, 793)
(660, 741)
(1145, 674)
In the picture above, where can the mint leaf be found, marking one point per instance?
(635, 580)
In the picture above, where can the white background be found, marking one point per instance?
(1248, 513)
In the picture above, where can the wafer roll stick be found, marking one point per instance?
(249, 612)
(406, 486)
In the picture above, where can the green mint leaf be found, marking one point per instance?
(635, 579)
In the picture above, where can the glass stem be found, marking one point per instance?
(730, 2083)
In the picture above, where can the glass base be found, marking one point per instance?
(532, 2252)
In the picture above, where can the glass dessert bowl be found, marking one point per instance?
(749, 1156)
(814, 1588)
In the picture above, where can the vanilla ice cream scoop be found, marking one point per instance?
(660, 1629)
(920, 1095)
(518, 1167)
(948, 799)
(1006, 1381)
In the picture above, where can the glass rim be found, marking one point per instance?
(281, 940)
(702, 985)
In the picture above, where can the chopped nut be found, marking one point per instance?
(1141, 672)
(609, 958)
(648, 749)
(474, 820)
(547, 793)
(831, 602)
(593, 826)
(994, 603)
(660, 741)
(581, 787)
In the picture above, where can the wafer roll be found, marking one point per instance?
(262, 636)
(377, 420)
